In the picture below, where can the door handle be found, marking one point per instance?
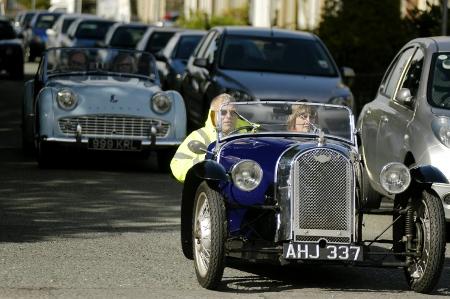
(384, 118)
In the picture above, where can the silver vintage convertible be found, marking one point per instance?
(100, 100)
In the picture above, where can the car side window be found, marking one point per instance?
(212, 48)
(205, 44)
(412, 78)
(397, 71)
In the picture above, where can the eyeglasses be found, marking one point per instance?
(225, 112)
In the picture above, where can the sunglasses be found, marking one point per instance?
(225, 112)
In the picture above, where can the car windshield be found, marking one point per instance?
(45, 21)
(93, 29)
(66, 24)
(6, 31)
(61, 61)
(285, 118)
(278, 55)
(439, 89)
(158, 40)
(127, 37)
(186, 46)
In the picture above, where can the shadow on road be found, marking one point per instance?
(272, 278)
(86, 196)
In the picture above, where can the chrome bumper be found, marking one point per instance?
(84, 140)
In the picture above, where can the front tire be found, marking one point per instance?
(429, 241)
(209, 235)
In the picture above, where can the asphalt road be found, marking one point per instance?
(102, 227)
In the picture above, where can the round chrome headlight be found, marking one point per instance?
(246, 175)
(67, 100)
(395, 177)
(161, 103)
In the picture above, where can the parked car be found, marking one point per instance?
(86, 32)
(58, 32)
(409, 119)
(261, 63)
(156, 38)
(11, 52)
(35, 36)
(172, 59)
(124, 35)
(268, 193)
(101, 100)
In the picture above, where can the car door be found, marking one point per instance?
(393, 137)
(195, 80)
(388, 112)
(369, 120)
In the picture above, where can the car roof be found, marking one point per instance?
(438, 43)
(264, 32)
(191, 32)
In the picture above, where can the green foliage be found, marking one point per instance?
(425, 23)
(201, 20)
(40, 4)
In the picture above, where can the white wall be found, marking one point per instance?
(118, 10)
(260, 14)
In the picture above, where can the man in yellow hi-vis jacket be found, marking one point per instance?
(184, 159)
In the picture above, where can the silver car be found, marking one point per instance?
(101, 100)
(409, 120)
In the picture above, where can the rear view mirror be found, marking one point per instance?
(404, 96)
(201, 62)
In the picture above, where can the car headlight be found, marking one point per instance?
(395, 177)
(441, 128)
(67, 100)
(346, 100)
(161, 103)
(246, 175)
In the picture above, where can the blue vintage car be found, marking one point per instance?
(101, 100)
(287, 185)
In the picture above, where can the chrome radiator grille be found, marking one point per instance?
(113, 126)
(323, 196)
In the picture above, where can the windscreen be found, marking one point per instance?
(6, 31)
(157, 41)
(439, 89)
(284, 118)
(186, 46)
(45, 21)
(127, 37)
(278, 55)
(66, 24)
(93, 30)
(100, 61)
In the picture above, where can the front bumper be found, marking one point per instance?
(84, 141)
(443, 191)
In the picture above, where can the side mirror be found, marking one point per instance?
(404, 96)
(160, 57)
(50, 32)
(201, 62)
(349, 75)
(197, 147)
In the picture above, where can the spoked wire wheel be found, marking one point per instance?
(429, 242)
(209, 233)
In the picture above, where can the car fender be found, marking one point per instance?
(45, 113)
(28, 111)
(211, 172)
(427, 174)
(180, 121)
